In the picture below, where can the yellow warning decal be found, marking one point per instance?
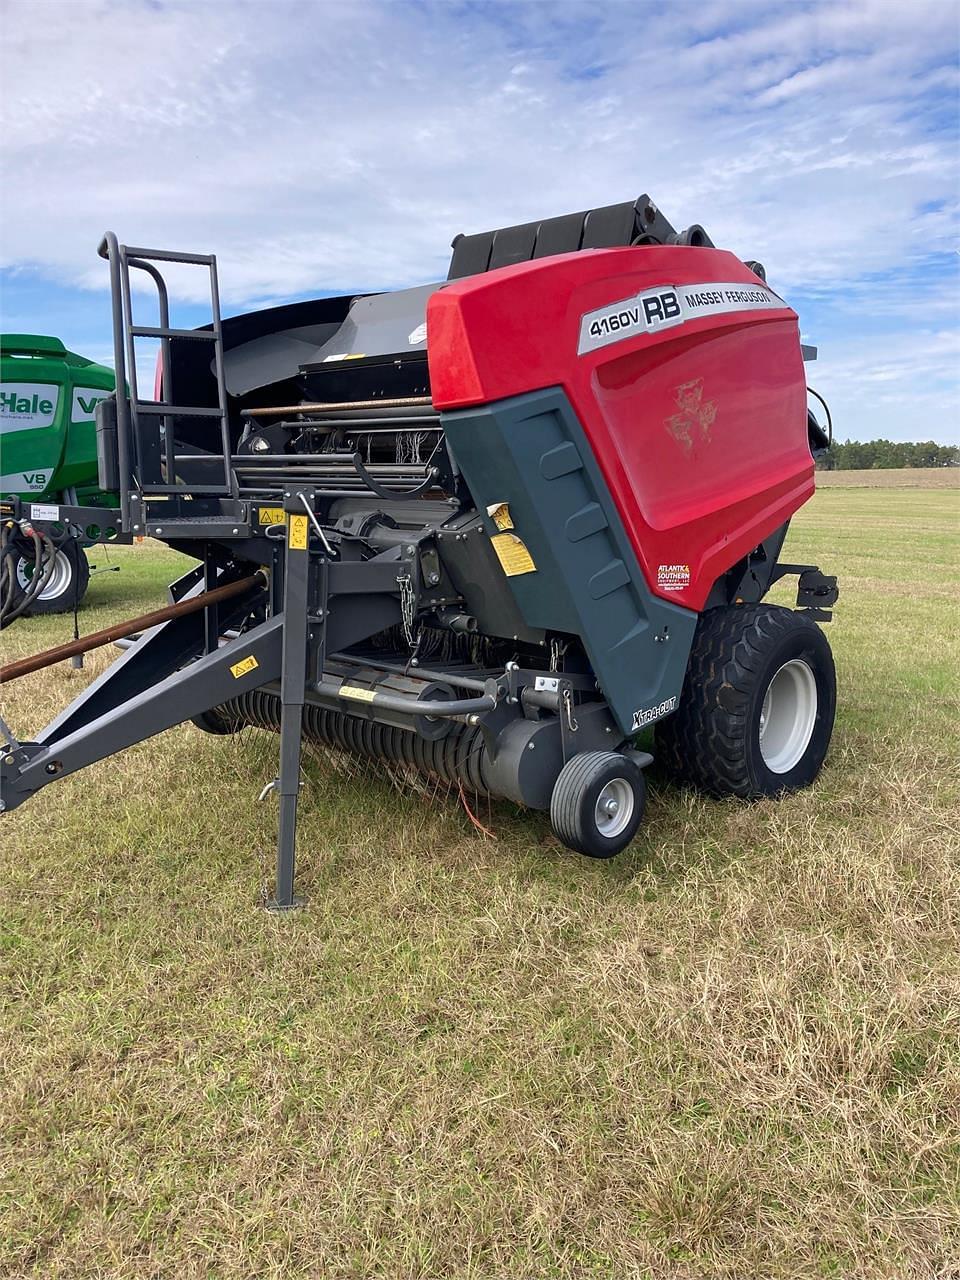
(357, 694)
(297, 533)
(272, 515)
(243, 666)
(513, 554)
(499, 513)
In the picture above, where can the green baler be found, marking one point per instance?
(48, 470)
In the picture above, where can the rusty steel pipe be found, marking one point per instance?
(332, 405)
(96, 639)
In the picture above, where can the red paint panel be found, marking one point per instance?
(699, 429)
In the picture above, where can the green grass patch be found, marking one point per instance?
(731, 1052)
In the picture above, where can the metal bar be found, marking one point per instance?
(289, 474)
(359, 492)
(131, 359)
(332, 473)
(315, 460)
(211, 614)
(316, 525)
(166, 364)
(246, 663)
(382, 491)
(465, 682)
(292, 688)
(8, 735)
(96, 639)
(229, 478)
(171, 255)
(177, 411)
(110, 250)
(220, 490)
(164, 331)
(323, 406)
(154, 656)
(369, 425)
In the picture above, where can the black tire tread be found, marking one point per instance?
(566, 803)
(703, 741)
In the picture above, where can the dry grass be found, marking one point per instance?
(891, 478)
(732, 1052)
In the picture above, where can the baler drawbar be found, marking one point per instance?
(487, 529)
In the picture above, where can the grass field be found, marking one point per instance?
(891, 478)
(732, 1052)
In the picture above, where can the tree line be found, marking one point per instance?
(852, 455)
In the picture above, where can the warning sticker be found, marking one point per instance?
(356, 694)
(499, 513)
(243, 666)
(513, 554)
(297, 533)
(272, 515)
(673, 577)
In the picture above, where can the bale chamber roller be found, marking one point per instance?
(488, 529)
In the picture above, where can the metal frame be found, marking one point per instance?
(70, 517)
(131, 432)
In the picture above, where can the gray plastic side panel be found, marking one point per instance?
(381, 324)
(273, 357)
(531, 452)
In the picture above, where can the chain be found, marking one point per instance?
(557, 650)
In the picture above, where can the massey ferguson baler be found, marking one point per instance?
(488, 529)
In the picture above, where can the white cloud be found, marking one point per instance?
(317, 146)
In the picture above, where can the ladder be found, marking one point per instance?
(145, 428)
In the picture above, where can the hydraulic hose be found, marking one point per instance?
(44, 562)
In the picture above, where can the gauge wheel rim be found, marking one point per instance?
(613, 811)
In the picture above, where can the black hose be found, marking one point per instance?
(7, 575)
(44, 561)
(826, 408)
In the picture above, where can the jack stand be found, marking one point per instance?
(293, 677)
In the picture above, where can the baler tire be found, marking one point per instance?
(72, 571)
(713, 738)
(577, 796)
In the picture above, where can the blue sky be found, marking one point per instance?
(322, 148)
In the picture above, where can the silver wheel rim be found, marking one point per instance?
(614, 808)
(58, 582)
(788, 715)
